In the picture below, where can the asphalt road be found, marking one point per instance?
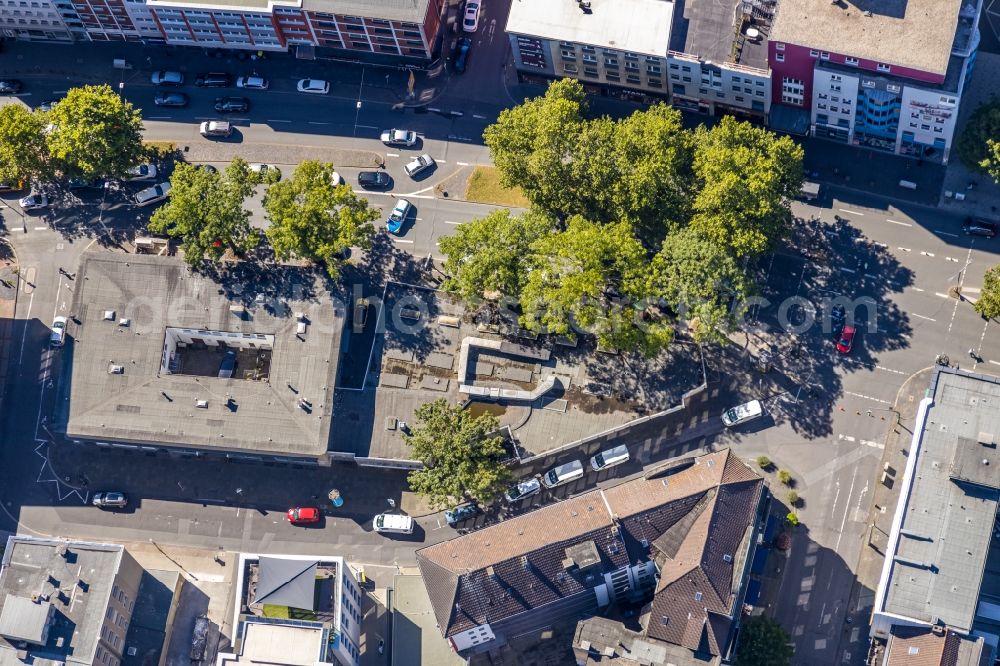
(825, 409)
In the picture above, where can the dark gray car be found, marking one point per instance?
(171, 99)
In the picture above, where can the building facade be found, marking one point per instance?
(348, 28)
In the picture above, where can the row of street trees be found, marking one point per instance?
(310, 219)
(634, 224)
(91, 133)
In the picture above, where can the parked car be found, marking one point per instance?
(523, 489)
(232, 104)
(177, 99)
(398, 137)
(360, 315)
(977, 226)
(141, 172)
(58, 335)
(10, 87)
(252, 83)
(84, 184)
(610, 458)
(336, 180)
(313, 86)
(846, 340)
(471, 21)
(47, 105)
(13, 186)
(396, 523)
(167, 78)
(109, 500)
(216, 128)
(374, 180)
(461, 513)
(564, 473)
(461, 57)
(398, 216)
(748, 411)
(151, 195)
(212, 80)
(303, 514)
(228, 365)
(265, 170)
(33, 201)
(418, 165)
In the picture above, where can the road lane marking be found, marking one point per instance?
(846, 438)
(392, 154)
(951, 259)
(317, 122)
(158, 117)
(59, 92)
(450, 222)
(922, 317)
(927, 254)
(847, 270)
(478, 117)
(40, 228)
(869, 275)
(401, 240)
(367, 126)
(874, 445)
(938, 293)
(850, 212)
(902, 224)
(868, 397)
(434, 110)
(272, 120)
(898, 372)
(462, 163)
(916, 288)
(441, 161)
(945, 233)
(995, 362)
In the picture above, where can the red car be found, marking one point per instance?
(303, 514)
(846, 339)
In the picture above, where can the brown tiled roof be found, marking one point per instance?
(919, 646)
(515, 566)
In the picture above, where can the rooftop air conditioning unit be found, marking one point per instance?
(124, 321)
(116, 370)
(201, 404)
(109, 315)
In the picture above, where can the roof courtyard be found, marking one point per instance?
(547, 390)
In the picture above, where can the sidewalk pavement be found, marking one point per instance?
(220, 151)
(9, 283)
(884, 499)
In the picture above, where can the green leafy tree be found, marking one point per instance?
(532, 145)
(312, 220)
(460, 455)
(590, 278)
(792, 519)
(793, 498)
(490, 255)
(699, 280)
(785, 477)
(746, 178)
(23, 155)
(764, 462)
(763, 642)
(94, 133)
(205, 211)
(978, 147)
(988, 304)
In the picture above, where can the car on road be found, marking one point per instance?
(212, 80)
(395, 523)
(141, 172)
(460, 59)
(58, 335)
(313, 86)
(151, 195)
(177, 99)
(47, 104)
(398, 216)
(471, 21)
(609, 458)
(267, 172)
(418, 165)
(336, 180)
(561, 474)
(398, 137)
(252, 83)
(461, 513)
(228, 365)
(748, 411)
(374, 180)
(977, 226)
(167, 78)
(216, 128)
(523, 489)
(232, 104)
(303, 514)
(33, 201)
(10, 87)
(84, 184)
(109, 500)
(360, 315)
(846, 340)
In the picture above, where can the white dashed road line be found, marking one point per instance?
(450, 222)
(317, 122)
(462, 163)
(922, 317)
(904, 249)
(951, 259)
(850, 212)
(938, 293)
(897, 372)
(847, 270)
(874, 445)
(927, 254)
(945, 233)
(995, 362)
(40, 228)
(916, 288)
(478, 117)
(902, 224)
(402, 240)
(868, 397)
(272, 120)
(392, 154)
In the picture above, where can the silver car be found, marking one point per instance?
(109, 500)
(418, 164)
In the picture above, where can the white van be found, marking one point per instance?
(395, 523)
(609, 458)
(748, 411)
(562, 474)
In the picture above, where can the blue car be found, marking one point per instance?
(398, 216)
(460, 513)
(462, 55)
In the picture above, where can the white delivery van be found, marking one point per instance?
(609, 458)
(396, 523)
(562, 474)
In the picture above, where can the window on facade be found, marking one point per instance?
(569, 55)
(740, 99)
(814, 53)
(779, 46)
(736, 88)
(652, 69)
(611, 62)
(590, 71)
(633, 79)
(570, 69)
(883, 67)
(612, 76)
(821, 106)
(675, 77)
(780, 57)
(677, 89)
(851, 61)
(925, 127)
(588, 49)
(835, 109)
(686, 79)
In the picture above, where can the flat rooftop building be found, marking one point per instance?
(163, 357)
(941, 560)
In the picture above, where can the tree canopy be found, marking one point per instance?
(988, 304)
(460, 457)
(979, 145)
(23, 154)
(94, 133)
(763, 642)
(205, 211)
(311, 219)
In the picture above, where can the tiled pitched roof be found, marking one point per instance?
(515, 566)
(919, 646)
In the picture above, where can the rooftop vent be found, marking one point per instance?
(727, 557)
(201, 404)
(124, 322)
(109, 315)
(116, 369)
(987, 439)
(697, 596)
(914, 650)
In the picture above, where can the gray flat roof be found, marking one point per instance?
(416, 639)
(638, 26)
(909, 33)
(937, 568)
(146, 406)
(705, 28)
(36, 566)
(411, 11)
